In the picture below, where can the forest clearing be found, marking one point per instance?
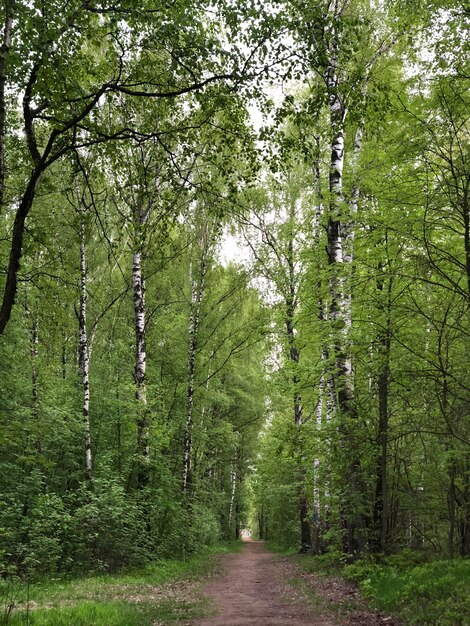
(234, 312)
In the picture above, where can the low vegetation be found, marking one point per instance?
(407, 585)
(435, 593)
(162, 592)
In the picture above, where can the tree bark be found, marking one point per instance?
(381, 503)
(4, 51)
(197, 290)
(16, 250)
(233, 478)
(294, 356)
(319, 498)
(84, 362)
(140, 366)
(340, 318)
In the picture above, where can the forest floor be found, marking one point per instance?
(229, 584)
(257, 588)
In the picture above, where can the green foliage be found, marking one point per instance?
(132, 597)
(49, 531)
(144, 117)
(435, 593)
(331, 562)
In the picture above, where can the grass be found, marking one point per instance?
(104, 614)
(432, 594)
(281, 550)
(407, 585)
(322, 564)
(163, 592)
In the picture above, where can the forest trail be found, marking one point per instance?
(250, 593)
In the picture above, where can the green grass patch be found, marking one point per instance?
(107, 614)
(157, 592)
(429, 594)
(281, 550)
(322, 564)
(407, 585)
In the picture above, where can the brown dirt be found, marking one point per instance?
(252, 594)
(254, 591)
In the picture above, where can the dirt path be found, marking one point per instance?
(251, 594)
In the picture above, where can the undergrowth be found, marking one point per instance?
(130, 598)
(431, 594)
(407, 585)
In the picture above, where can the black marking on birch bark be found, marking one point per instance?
(84, 361)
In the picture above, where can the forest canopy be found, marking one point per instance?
(159, 392)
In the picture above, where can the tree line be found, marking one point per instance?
(155, 398)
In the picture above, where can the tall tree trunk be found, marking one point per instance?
(464, 519)
(197, 289)
(233, 478)
(34, 360)
(381, 500)
(340, 318)
(4, 51)
(138, 288)
(451, 501)
(294, 356)
(63, 359)
(319, 498)
(84, 363)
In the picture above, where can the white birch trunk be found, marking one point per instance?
(138, 288)
(84, 362)
(317, 517)
(34, 358)
(233, 477)
(348, 232)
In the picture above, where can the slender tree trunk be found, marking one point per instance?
(34, 360)
(381, 500)
(464, 519)
(64, 357)
(451, 499)
(233, 478)
(197, 289)
(138, 288)
(84, 362)
(340, 318)
(294, 356)
(237, 520)
(319, 498)
(4, 51)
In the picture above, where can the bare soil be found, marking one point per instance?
(254, 590)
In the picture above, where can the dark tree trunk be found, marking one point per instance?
(16, 250)
(294, 357)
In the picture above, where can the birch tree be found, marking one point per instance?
(274, 233)
(204, 240)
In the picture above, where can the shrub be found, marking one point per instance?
(49, 524)
(109, 529)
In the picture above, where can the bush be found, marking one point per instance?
(109, 530)
(185, 529)
(49, 524)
